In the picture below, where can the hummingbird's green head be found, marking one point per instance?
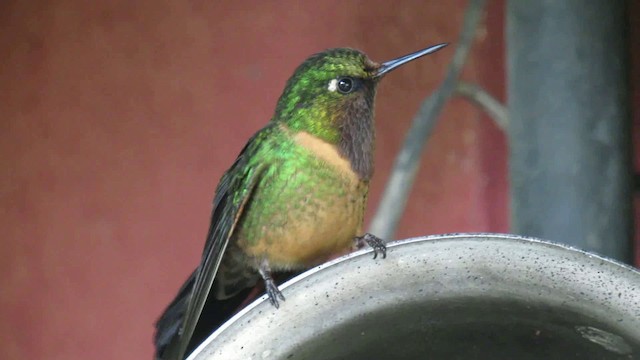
(326, 88)
(331, 96)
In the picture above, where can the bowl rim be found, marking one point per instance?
(403, 242)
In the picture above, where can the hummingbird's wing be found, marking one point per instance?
(233, 192)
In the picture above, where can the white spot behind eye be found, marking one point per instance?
(333, 85)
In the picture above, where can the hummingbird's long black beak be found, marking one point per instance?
(392, 64)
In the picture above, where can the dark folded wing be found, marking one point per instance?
(233, 192)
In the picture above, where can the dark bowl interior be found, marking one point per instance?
(469, 329)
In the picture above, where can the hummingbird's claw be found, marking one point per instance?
(273, 293)
(270, 286)
(374, 242)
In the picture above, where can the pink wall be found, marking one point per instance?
(119, 118)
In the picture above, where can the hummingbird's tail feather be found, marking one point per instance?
(169, 323)
(214, 314)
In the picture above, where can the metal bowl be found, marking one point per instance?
(460, 296)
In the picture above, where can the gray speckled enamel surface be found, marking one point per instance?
(468, 296)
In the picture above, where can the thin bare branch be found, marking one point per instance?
(395, 196)
(485, 101)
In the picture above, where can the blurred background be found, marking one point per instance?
(118, 118)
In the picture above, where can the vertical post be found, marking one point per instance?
(569, 131)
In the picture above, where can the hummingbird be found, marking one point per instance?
(294, 196)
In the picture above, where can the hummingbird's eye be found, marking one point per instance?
(345, 85)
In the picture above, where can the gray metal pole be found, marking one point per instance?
(569, 131)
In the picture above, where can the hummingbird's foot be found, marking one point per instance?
(374, 242)
(273, 292)
(270, 286)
